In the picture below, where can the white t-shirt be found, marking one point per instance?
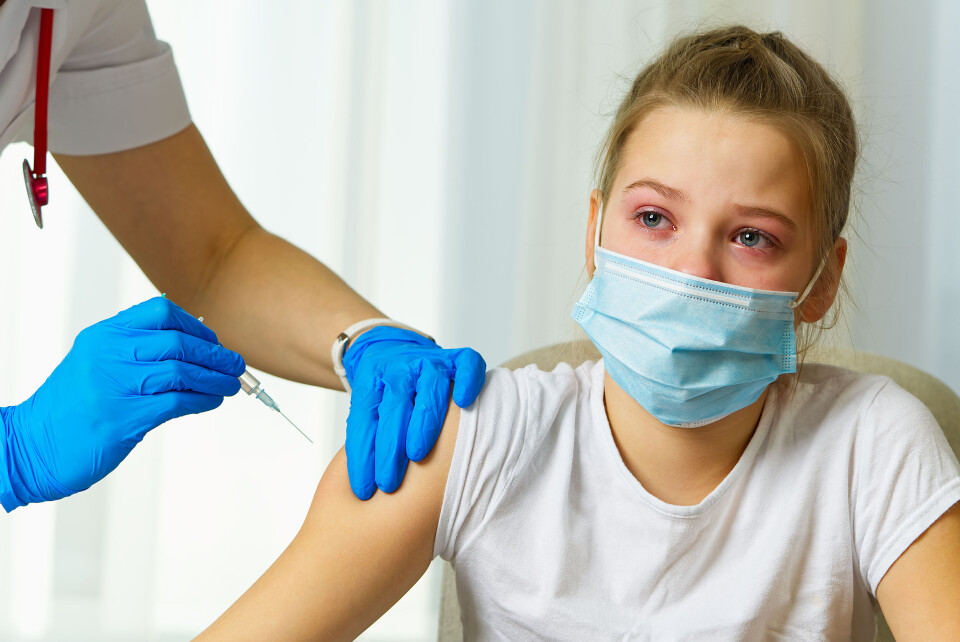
(553, 538)
(113, 85)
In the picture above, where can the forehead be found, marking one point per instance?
(717, 155)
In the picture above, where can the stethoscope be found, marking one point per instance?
(36, 178)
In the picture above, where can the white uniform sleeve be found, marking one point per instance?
(906, 477)
(497, 435)
(118, 88)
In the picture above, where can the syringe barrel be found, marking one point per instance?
(249, 384)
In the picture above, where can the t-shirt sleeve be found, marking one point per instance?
(497, 436)
(118, 88)
(907, 476)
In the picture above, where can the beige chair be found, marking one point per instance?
(943, 403)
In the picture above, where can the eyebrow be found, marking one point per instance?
(659, 188)
(765, 213)
(677, 195)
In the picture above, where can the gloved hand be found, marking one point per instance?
(400, 383)
(122, 378)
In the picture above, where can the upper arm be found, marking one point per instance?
(919, 594)
(167, 203)
(351, 560)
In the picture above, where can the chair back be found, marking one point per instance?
(940, 399)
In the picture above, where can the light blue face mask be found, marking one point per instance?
(689, 350)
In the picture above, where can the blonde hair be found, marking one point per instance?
(765, 77)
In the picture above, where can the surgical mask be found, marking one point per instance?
(689, 350)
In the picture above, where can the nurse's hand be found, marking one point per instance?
(400, 388)
(122, 378)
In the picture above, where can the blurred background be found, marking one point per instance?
(437, 154)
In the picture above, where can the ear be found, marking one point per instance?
(592, 228)
(825, 291)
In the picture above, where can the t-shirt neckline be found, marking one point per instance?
(673, 510)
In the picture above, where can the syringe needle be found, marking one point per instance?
(250, 385)
(295, 426)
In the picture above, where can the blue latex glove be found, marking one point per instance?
(122, 378)
(400, 389)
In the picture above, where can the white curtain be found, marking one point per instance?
(437, 154)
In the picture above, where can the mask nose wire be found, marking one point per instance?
(813, 281)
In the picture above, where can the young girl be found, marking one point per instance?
(687, 486)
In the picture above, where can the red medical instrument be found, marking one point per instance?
(36, 178)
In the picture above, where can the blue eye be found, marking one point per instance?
(651, 218)
(750, 237)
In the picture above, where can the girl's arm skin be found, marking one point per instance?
(335, 579)
(920, 594)
(171, 208)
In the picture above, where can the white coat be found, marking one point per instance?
(113, 85)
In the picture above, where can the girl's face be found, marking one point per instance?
(712, 195)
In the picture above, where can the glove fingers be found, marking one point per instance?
(378, 337)
(391, 440)
(365, 399)
(160, 313)
(177, 403)
(179, 346)
(164, 376)
(429, 410)
(471, 371)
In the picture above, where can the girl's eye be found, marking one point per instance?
(749, 238)
(651, 218)
(755, 239)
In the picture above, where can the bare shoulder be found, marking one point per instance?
(421, 492)
(920, 592)
(352, 559)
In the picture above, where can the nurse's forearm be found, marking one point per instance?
(171, 208)
(280, 308)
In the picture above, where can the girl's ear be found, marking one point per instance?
(825, 291)
(592, 228)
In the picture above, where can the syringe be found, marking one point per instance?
(251, 385)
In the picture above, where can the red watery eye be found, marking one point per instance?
(750, 238)
(651, 218)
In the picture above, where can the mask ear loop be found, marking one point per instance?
(596, 236)
(813, 281)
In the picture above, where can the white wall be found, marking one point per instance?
(436, 154)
